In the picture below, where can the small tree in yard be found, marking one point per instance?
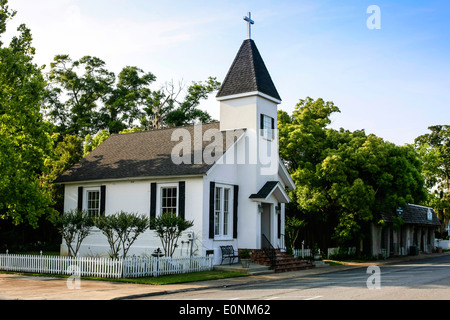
(74, 226)
(292, 226)
(121, 230)
(169, 227)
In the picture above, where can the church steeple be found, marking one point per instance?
(248, 98)
(248, 75)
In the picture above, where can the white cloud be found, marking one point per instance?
(67, 27)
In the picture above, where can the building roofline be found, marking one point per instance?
(130, 179)
(248, 94)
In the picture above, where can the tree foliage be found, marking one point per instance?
(187, 111)
(83, 98)
(74, 226)
(169, 227)
(74, 99)
(25, 140)
(64, 154)
(90, 143)
(434, 150)
(125, 101)
(293, 226)
(165, 109)
(347, 179)
(121, 230)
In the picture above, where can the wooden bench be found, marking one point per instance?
(228, 252)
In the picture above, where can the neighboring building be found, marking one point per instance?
(225, 176)
(416, 234)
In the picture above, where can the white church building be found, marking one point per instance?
(226, 176)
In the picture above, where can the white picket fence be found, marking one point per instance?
(129, 267)
(302, 253)
(151, 266)
(444, 244)
(83, 266)
(306, 253)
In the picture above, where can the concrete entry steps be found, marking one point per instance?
(261, 264)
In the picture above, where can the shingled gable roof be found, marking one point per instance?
(415, 214)
(269, 188)
(248, 73)
(265, 190)
(145, 154)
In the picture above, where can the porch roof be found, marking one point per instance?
(271, 187)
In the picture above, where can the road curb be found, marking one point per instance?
(254, 279)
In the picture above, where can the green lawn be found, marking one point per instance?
(183, 278)
(334, 262)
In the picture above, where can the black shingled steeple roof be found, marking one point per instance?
(248, 73)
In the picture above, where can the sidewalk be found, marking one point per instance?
(21, 287)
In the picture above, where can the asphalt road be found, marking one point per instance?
(427, 279)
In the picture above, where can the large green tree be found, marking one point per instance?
(344, 179)
(123, 105)
(434, 150)
(165, 107)
(76, 91)
(65, 154)
(83, 98)
(24, 136)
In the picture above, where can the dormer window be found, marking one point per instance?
(267, 126)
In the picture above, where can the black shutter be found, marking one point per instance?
(261, 124)
(279, 221)
(153, 200)
(235, 210)
(102, 200)
(212, 186)
(273, 127)
(80, 199)
(181, 199)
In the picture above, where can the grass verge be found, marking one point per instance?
(184, 278)
(334, 262)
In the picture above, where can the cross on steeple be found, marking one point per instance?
(249, 23)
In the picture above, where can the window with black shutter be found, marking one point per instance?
(235, 210)
(181, 199)
(267, 126)
(211, 209)
(222, 206)
(153, 200)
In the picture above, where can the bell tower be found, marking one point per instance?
(248, 98)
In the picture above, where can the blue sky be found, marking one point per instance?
(393, 81)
